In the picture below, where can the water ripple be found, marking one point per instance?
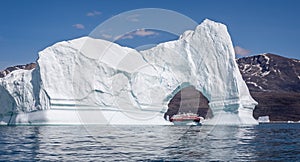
(265, 142)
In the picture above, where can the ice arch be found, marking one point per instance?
(205, 59)
(188, 100)
(126, 86)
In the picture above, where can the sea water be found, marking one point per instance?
(264, 142)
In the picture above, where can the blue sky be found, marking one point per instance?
(256, 26)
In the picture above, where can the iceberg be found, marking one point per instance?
(94, 81)
(263, 119)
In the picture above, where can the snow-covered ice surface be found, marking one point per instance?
(93, 81)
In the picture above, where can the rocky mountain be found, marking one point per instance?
(270, 73)
(274, 82)
(17, 67)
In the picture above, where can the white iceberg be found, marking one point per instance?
(263, 119)
(93, 81)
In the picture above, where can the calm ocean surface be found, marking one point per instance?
(265, 142)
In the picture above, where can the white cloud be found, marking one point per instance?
(133, 18)
(241, 51)
(106, 36)
(93, 13)
(78, 26)
(140, 33)
(126, 36)
(143, 32)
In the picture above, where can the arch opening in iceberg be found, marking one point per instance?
(189, 100)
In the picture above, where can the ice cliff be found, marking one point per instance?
(89, 80)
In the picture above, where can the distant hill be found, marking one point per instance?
(273, 81)
(17, 67)
(270, 73)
